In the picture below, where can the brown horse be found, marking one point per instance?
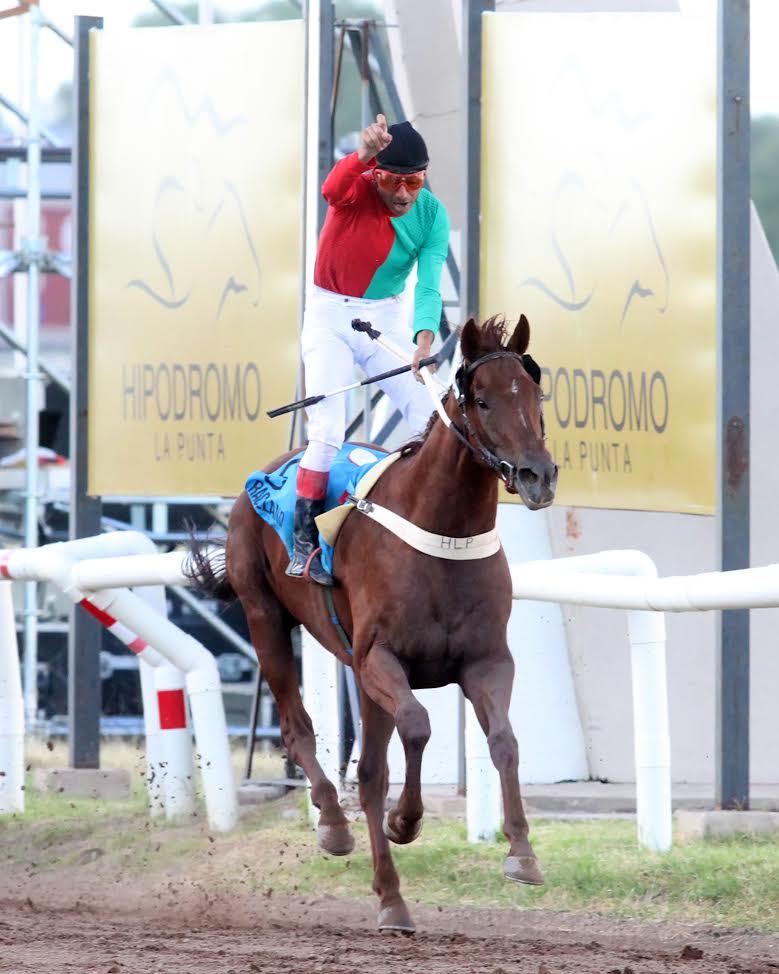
(415, 620)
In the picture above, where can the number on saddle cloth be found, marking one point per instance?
(273, 494)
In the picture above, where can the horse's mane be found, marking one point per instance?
(493, 335)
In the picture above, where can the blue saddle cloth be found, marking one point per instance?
(273, 495)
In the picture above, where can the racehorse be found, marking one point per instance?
(415, 620)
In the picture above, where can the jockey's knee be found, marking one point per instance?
(319, 455)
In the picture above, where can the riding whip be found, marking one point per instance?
(310, 400)
(430, 381)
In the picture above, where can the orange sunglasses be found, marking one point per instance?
(393, 180)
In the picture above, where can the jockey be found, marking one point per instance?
(380, 221)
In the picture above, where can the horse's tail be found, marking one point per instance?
(206, 567)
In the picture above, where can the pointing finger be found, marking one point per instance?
(381, 121)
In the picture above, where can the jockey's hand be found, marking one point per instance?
(424, 345)
(373, 139)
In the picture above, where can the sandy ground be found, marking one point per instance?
(121, 896)
(52, 923)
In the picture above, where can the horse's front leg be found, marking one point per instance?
(373, 775)
(384, 680)
(386, 701)
(488, 684)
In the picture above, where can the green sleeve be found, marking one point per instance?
(432, 256)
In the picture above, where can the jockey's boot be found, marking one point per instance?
(306, 552)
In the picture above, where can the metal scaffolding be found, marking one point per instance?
(32, 258)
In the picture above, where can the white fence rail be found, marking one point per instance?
(89, 572)
(11, 711)
(628, 580)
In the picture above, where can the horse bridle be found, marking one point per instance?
(507, 472)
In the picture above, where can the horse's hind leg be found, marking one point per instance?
(487, 684)
(270, 634)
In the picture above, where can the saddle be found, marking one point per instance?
(354, 472)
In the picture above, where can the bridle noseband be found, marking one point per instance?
(507, 472)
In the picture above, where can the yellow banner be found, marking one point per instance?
(599, 222)
(195, 254)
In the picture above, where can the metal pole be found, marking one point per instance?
(365, 119)
(15, 110)
(469, 259)
(471, 237)
(8, 336)
(215, 623)
(252, 732)
(326, 119)
(172, 12)
(320, 24)
(34, 246)
(84, 633)
(733, 259)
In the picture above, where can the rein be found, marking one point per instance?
(507, 472)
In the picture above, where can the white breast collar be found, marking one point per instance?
(436, 545)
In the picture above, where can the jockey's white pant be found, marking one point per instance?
(331, 348)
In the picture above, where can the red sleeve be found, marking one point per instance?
(340, 187)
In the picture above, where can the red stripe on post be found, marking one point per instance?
(173, 713)
(4, 556)
(102, 617)
(137, 645)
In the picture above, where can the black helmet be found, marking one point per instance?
(406, 153)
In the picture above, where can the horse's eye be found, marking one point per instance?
(482, 404)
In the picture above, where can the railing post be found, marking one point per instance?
(320, 696)
(652, 740)
(483, 803)
(11, 710)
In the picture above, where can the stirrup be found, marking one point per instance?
(310, 567)
(315, 570)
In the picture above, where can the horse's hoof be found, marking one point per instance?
(400, 838)
(523, 869)
(335, 839)
(396, 919)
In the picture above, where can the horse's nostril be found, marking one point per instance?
(538, 481)
(528, 477)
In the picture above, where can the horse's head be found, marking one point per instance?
(500, 396)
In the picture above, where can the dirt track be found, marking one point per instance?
(112, 931)
(109, 893)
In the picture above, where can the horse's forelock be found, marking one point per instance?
(493, 334)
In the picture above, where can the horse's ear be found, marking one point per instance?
(470, 340)
(520, 340)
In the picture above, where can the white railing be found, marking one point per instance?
(89, 572)
(11, 711)
(628, 580)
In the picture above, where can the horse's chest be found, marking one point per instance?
(434, 647)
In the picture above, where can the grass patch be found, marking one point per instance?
(590, 865)
(58, 831)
